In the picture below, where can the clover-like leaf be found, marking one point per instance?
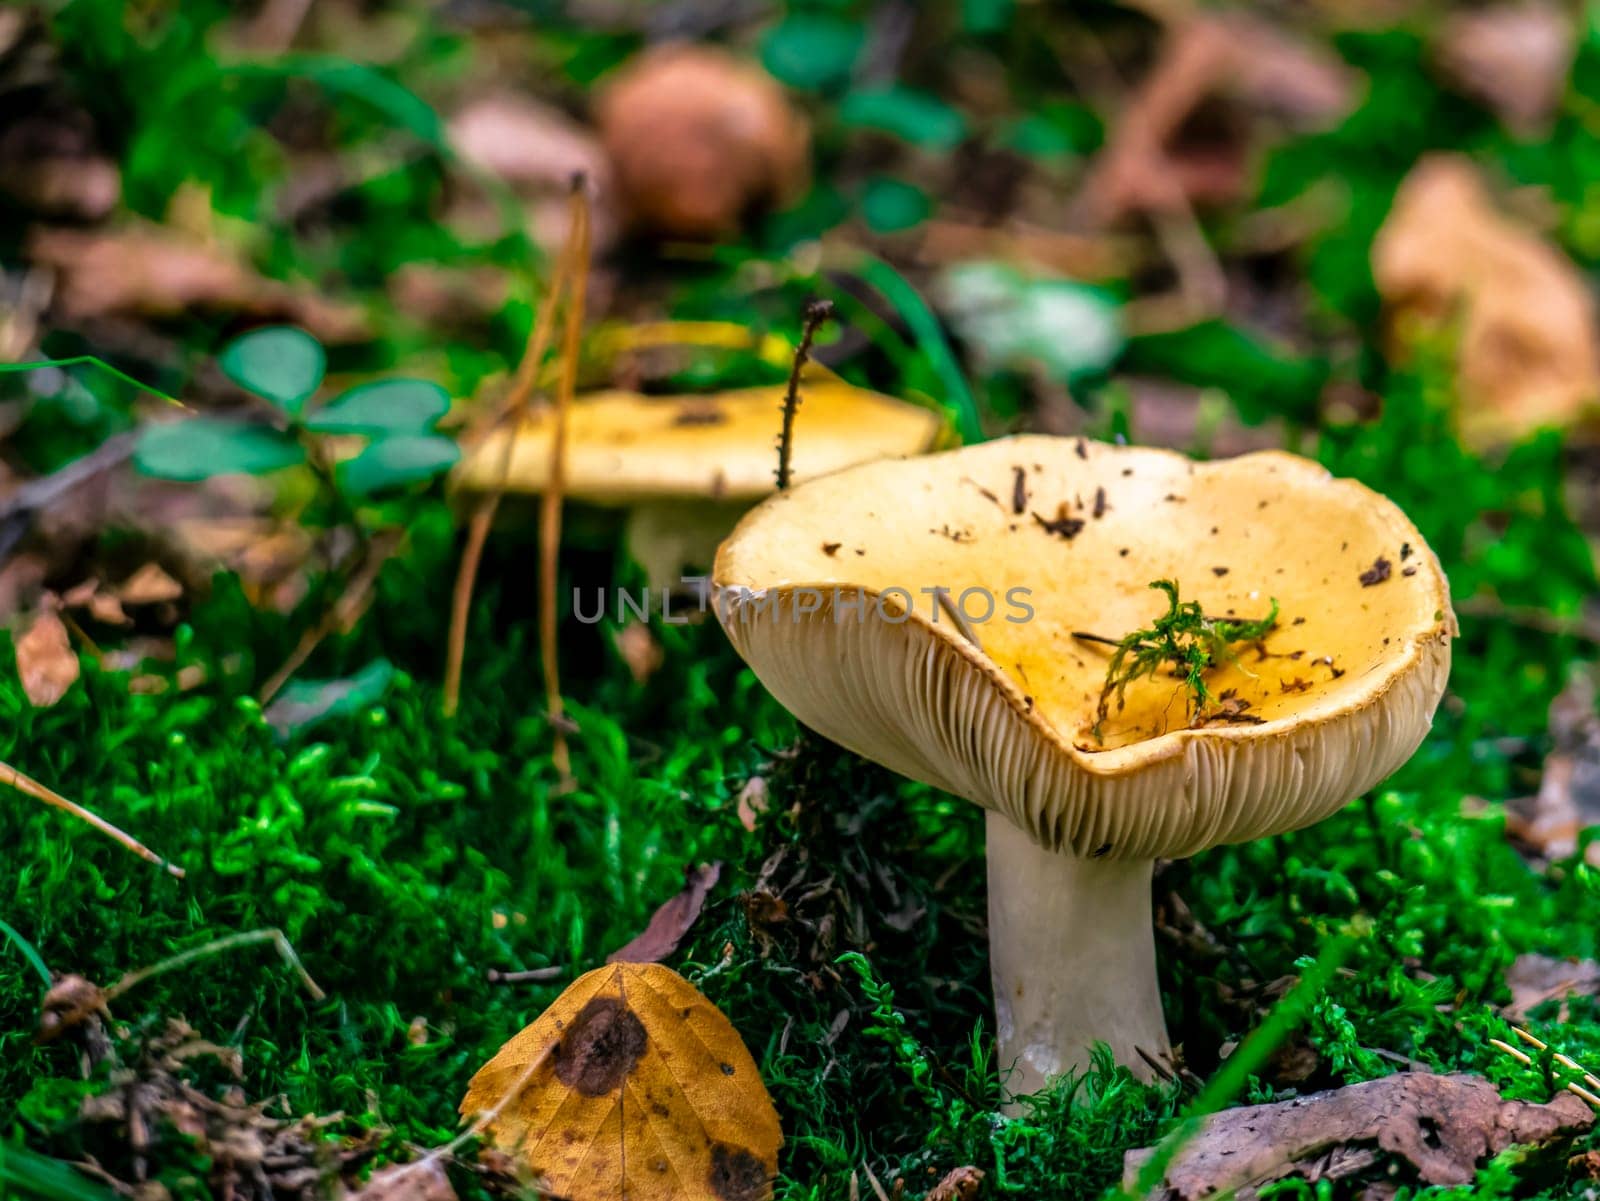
(396, 461)
(390, 406)
(280, 363)
(202, 447)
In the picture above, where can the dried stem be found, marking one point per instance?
(550, 502)
(532, 975)
(214, 947)
(341, 616)
(817, 311)
(31, 787)
(485, 1118)
(509, 417)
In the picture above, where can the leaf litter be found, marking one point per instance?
(1441, 1127)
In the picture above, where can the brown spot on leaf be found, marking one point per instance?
(831, 548)
(1377, 573)
(1019, 490)
(601, 1047)
(737, 1175)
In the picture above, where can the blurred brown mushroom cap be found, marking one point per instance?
(700, 138)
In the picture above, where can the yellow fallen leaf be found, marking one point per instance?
(632, 1085)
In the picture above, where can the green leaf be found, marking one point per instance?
(985, 16)
(1055, 132)
(388, 406)
(1014, 319)
(892, 205)
(812, 50)
(304, 703)
(281, 363)
(201, 447)
(913, 116)
(402, 459)
(30, 1174)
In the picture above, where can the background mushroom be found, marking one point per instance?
(881, 606)
(701, 139)
(687, 467)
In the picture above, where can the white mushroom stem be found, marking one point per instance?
(1073, 957)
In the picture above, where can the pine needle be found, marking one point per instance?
(214, 947)
(1183, 639)
(550, 502)
(31, 787)
(509, 416)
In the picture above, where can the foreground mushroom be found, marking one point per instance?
(924, 614)
(687, 467)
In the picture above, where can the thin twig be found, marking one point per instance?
(1530, 617)
(533, 975)
(216, 946)
(1521, 1057)
(478, 526)
(341, 616)
(872, 1179)
(550, 502)
(507, 419)
(1100, 638)
(1566, 1061)
(817, 311)
(487, 1116)
(31, 787)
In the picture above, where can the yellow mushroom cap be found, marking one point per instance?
(624, 447)
(1002, 711)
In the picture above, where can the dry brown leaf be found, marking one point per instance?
(1535, 979)
(21, 584)
(632, 1084)
(102, 606)
(672, 920)
(700, 138)
(150, 585)
(1514, 57)
(639, 650)
(1445, 254)
(438, 296)
(45, 660)
(151, 271)
(537, 150)
(1547, 825)
(1146, 165)
(752, 802)
(1443, 1126)
(959, 1184)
